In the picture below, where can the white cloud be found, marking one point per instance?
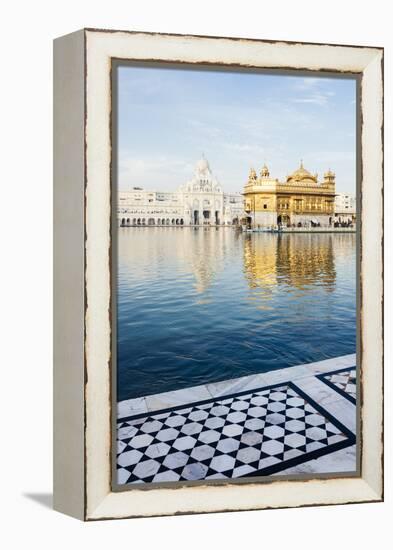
(315, 91)
(316, 99)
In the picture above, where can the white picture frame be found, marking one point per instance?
(82, 245)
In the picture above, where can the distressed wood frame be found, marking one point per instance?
(82, 270)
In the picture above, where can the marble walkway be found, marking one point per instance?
(297, 420)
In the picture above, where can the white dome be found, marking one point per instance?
(202, 166)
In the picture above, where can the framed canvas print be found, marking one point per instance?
(218, 274)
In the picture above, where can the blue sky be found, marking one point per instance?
(169, 117)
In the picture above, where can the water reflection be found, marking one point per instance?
(200, 305)
(298, 260)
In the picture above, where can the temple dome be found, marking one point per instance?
(202, 166)
(302, 175)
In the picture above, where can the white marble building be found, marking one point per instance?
(200, 201)
(345, 208)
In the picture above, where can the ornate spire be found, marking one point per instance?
(252, 176)
(329, 175)
(265, 171)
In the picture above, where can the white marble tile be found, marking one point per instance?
(191, 428)
(343, 460)
(228, 445)
(203, 452)
(226, 387)
(168, 475)
(158, 449)
(240, 405)
(268, 461)
(295, 440)
(282, 375)
(292, 453)
(274, 431)
(146, 468)
(255, 424)
(140, 441)
(175, 460)
(335, 363)
(347, 360)
(130, 407)
(318, 390)
(209, 436)
(194, 471)
(236, 417)
(126, 432)
(120, 446)
(167, 434)
(252, 438)
(214, 422)
(231, 430)
(184, 443)
(128, 458)
(243, 470)
(273, 447)
(198, 415)
(151, 426)
(344, 411)
(222, 463)
(175, 398)
(122, 476)
(155, 402)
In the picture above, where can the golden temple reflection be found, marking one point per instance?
(298, 260)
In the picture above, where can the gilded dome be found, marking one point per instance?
(302, 175)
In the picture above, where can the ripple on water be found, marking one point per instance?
(197, 306)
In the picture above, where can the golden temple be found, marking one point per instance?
(300, 201)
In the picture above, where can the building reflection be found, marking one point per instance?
(298, 261)
(195, 254)
(202, 257)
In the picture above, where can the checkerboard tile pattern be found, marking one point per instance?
(343, 381)
(251, 433)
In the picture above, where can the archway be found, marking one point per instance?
(283, 219)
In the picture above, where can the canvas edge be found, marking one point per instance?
(100, 508)
(68, 274)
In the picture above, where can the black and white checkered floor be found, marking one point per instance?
(257, 432)
(343, 381)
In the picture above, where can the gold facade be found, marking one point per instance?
(300, 200)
